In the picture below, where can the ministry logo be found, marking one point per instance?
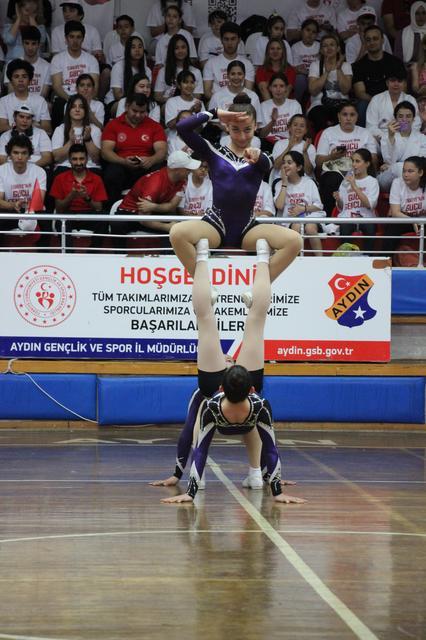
(44, 296)
(350, 307)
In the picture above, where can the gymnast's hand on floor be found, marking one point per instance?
(289, 499)
(183, 497)
(168, 482)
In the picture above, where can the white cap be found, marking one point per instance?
(367, 11)
(181, 160)
(24, 108)
(77, 2)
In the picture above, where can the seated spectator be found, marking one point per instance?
(160, 192)
(215, 71)
(140, 83)
(277, 112)
(64, 65)
(418, 71)
(355, 46)
(198, 192)
(264, 206)
(297, 196)
(174, 141)
(44, 11)
(409, 41)
(274, 28)
(318, 10)
(20, 74)
(422, 113)
(155, 19)
(347, 18)
(330, 81)
(357, 198)
(396, 16)
(23, 125)
(297, 140)
(210, 43)
(114, 49)
(177, 60)
(78, 190)
(76, 129)
(407, 199)
(335, 149)
(399, 143)
(381, 106)
(222, 99)
(304, 52)
(132, 145)
(173, 21)
(17, 181)
(122, 72)
(41, 81)
(275, 62)
(370, 71)
(184, 100)
(25, 15)
(73, 11)
(85, 87)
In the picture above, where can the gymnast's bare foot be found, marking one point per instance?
(168, 482)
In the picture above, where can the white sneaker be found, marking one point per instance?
(253, 482)
(247, 298)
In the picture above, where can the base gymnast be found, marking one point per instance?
(236, 173)
(233, 406)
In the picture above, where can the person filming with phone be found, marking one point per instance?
(132, 146)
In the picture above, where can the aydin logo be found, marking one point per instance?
(45, 296)
(350, 307)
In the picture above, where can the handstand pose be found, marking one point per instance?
(236, 173)
(236, 408)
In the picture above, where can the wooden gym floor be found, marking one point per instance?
(88, 552)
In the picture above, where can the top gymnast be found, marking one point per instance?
(236, 173)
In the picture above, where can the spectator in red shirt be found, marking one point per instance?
(79, 190)
(132, 145)
(156, 193)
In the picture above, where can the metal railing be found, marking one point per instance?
(57, 239)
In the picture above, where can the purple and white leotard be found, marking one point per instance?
(235, 182)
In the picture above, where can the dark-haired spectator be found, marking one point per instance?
(274, 28)
(85, 86)
(304, 52)
(347, 17)
(26, 13)
(222, 99)
(275, 61)
(177, 60)
(132, 145)
(184, 100)
(23, 125)
(355, 47)
(41, 81)
(298, 140)
(319, 10)
(140, 83)
(381, 107)
(399, 142)
(20, 74)
(74, 11)
(68, 65)
(215, 70)
(173, 21)
(79, 190)
(408, 44)
(133, 62)
(277, 112)
(335, 148)
(155, 18)
(17, 181)
(76, 128)
(370, 71)
(330, 81)
(210, 43)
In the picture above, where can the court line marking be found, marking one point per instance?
(304, 570)
(151, 532)
(111, 481)
(353, 485)
(7, 636)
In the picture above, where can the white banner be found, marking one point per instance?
(115, 307)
